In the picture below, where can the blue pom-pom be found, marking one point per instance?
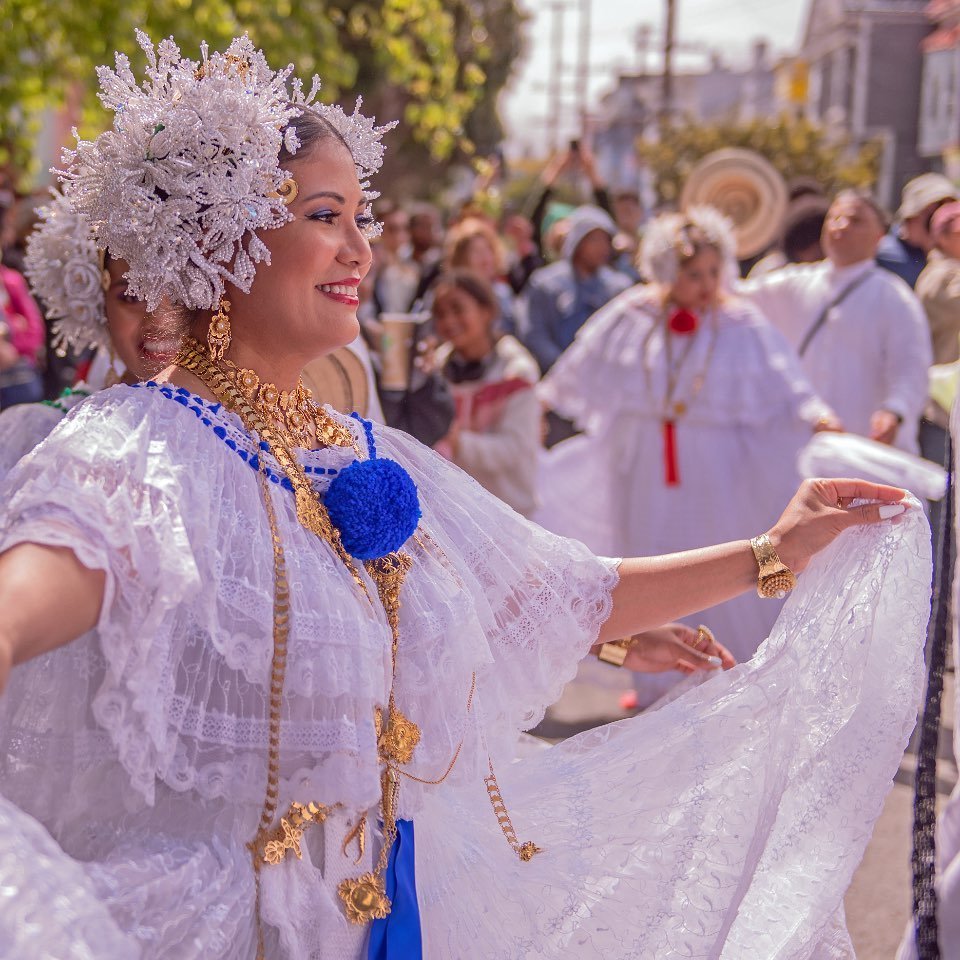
(374, 505)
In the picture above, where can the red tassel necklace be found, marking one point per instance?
(679, 324)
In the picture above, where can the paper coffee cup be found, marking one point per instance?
(397, 338)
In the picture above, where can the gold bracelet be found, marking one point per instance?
(774, 578)
(614, 651)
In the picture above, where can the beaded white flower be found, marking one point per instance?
(190, 169)
(63, 266)
(661, 249)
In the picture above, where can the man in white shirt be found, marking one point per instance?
(860, 331)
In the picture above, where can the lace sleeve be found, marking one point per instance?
(540, 599)
(96, 488)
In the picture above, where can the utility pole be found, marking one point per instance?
(666, 94)
(583, 86)
(641, 39)
(555, 92)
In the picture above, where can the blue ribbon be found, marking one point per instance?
(397, 937)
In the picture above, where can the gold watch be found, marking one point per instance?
(614, 651)
(774, 579)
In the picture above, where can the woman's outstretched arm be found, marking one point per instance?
(655, 590)
(47, 598)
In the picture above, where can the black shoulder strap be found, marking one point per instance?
(835, 302)
(923, 860)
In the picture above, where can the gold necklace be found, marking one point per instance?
(364, 897)
(293, 412)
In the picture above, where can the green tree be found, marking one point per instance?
(421, 61)
(797, 147)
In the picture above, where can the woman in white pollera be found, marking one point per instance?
(694, 409)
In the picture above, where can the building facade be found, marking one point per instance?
(940, 98)
(631, 109)
(864, 60)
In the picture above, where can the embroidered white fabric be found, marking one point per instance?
(732, 817)
(22, 427)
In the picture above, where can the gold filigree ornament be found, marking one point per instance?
(274, 846)
(398, 738)
(218, 333)
(364, 898)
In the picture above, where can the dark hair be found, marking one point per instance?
(473, 285)
(803, 225)
(311, 129)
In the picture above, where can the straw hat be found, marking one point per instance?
(339, 378)
(745, 187)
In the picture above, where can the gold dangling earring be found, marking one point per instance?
(113, 375)
(218, 333)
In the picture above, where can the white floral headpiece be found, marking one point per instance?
(190, 170)
(64, 268)
(664, 241)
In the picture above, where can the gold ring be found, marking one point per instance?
(704, 634)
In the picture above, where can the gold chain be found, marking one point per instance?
(364, 898)
(278, 667)
(310, 511)
(525, 851)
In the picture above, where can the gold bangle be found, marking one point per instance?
(614, 651)
(774, 578)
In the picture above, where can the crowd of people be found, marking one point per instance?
(610, 376)
(614, 379)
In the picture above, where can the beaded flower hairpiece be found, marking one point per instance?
(666, 242)
(65, 271)
(190, 170)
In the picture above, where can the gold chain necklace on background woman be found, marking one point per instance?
(240, 391)
(673, 408)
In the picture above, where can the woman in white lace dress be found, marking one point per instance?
(694, 409)
(85, 295)
(269, 655)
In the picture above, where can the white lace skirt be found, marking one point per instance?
(726, 824)
(729, 822)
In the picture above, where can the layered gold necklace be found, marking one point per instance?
(281, 420)
(294, 413)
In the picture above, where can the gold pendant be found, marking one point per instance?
(364, 898)
(309, 513)
(275, 850)
(358, 833)
(679, 408)
(398, 739)
(528, 851)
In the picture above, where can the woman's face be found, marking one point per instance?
(949, 240)
(481, 259)
(139, 347)
(697, 286)
(303, 304)
(462, 322)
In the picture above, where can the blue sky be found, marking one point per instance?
(727, 26)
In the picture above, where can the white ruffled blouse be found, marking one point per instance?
(725, 824)
(154, 726)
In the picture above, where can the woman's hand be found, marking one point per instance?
(884, 426)
(820, 511)
(676, 646)
(828, 423)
